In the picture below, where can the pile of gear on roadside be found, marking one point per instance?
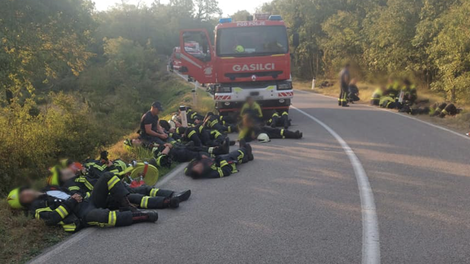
(404, 97)
(111, 193)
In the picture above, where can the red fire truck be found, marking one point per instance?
(249, 59)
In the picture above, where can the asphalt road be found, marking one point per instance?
(299, 201)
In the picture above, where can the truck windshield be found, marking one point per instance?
(252, 41)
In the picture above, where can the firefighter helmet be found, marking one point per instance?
(239, 49)
(263, 138)
(120, 165)
(13, 199)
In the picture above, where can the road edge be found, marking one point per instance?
(370, 226)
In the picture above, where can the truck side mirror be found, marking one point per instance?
(296, 39)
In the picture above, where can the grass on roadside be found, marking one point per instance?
(22, 237)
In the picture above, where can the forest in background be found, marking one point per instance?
(73, 79)
(427, 41)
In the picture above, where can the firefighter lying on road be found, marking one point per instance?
(250, 131)
(144, 197)
(204, 166)
(74, 212)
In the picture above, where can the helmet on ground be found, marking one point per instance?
(120, 165)
(263, 138)
(13, 199)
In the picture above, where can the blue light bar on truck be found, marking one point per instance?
(225, 20)
(275, 18)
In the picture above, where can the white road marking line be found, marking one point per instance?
(45, 257)
(396, 113)
(370, 226)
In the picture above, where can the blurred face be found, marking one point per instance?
(249, 101)
(154, 110)
(66, 174)
(198, 168)
(28, 196)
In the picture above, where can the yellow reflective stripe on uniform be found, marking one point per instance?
(241, 156)
(112, 182)
(444, 112)
(88, 185)
(112, 218)
(62, 211)
(285, 113)
(40, 210)
(200, 129)
(221, 173)
(275, 114)
(74, 188)
(69, 227)
(153, 192)
(213, 123)
(191, 133)
(144, 202)
(234, 168)
(193, 115)
(223, 163)
(282, 133)
(87, 195)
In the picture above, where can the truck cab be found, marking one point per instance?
(248, 59)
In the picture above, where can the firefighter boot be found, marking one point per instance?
(289, 134)
(182, 196)
(249, 150)
(144, 216)
(173, 202)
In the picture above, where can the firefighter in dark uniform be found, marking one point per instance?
(212, 122)
(144, 197)
(250, 131)
(345, 78)
(74, 212)
(445, 109)
(186, 153)
(279, 120)
(221, 166)
(376, 96)
(410, 94)
(387, 102)
(393, 89)
(192, 115)
(253, 109)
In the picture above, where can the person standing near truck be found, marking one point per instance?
(345, 78)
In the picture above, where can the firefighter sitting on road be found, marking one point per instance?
(221, 166)
(410, 94)
(74, 212)
(393, 89)
(279, 120)
(253, 109)
(150, 129)
(146, 197)
(444, 109)
(250, 131)
(377, 95)
(353, 95)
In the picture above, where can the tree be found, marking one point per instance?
(240, 15)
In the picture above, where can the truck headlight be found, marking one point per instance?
(224, 89)
(284, 86)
